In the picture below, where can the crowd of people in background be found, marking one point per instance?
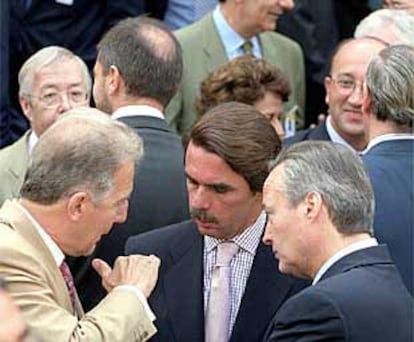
(206, 170)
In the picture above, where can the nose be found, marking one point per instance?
(356, 96)
(287, 5)
(65, 103)
(267, 236)
(199, 198)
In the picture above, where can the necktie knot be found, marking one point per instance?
(247, 47)
(225, 252)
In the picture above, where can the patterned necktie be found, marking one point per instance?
(67, 276)
(247, 47)
(219, 303)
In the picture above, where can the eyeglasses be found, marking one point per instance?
(347, 85)
(52, 99)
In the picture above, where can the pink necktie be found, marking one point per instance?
(219, 303)
(67, 276)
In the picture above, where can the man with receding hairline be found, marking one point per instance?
(137, 71)
(343, 85)
(320, 208)
(77, 185)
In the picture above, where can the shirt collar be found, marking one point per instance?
(51, 245)
(134, 110)
(388, 137)
(334, 135)
(31, 141)
(232, 41)
(248, 240)
(356, 246)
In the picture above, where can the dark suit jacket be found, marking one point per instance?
(360, 298)
(156, 8)
(317, 133)
(159, 197)
(390, 168)
(177, 300)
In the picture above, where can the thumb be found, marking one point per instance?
(103, 269)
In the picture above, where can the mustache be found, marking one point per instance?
(202, 215)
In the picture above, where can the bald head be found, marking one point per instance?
(143, 51)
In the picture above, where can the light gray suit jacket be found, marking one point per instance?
(13, 166)
(37, 286)
(203, 51)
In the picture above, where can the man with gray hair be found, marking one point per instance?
(78, 182)
(388, 107)
(320, 208)
(51, 82)
(391, 26)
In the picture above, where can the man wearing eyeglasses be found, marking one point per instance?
(343, 85)
(51, 82)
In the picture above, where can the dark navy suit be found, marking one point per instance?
(177, 300)
(317, 133)
(360, 298)
(159, 198)
(390, 166)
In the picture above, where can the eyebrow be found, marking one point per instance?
(211, 185)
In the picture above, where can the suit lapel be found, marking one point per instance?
(183, 288)
(266, 290)
(13, 216)
(214, 53)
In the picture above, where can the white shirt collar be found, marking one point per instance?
(53, 248)
(366, 243)
(232, 41)
(31, 141)
(388, 137)
(134, 110)
(248, 240)
(334, 135)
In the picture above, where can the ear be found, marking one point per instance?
(77, 205)
(113, 80)
(328, 84)
(26, 107)
(312, 205)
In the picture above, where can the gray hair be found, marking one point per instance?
(399, 22)
(390, 82)
(81, 151)
(337, 174)
(45, 57)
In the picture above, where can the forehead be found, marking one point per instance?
(208, 168)
(355, 56)
(61, 72)
(275, 180)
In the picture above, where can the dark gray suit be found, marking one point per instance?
(360, 298)
(391, 171)
(317, 133)
(159, 197)
(177, 300)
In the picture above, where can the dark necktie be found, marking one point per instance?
(247, 47)
(67, 276)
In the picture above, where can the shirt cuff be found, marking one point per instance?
(137, 291)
